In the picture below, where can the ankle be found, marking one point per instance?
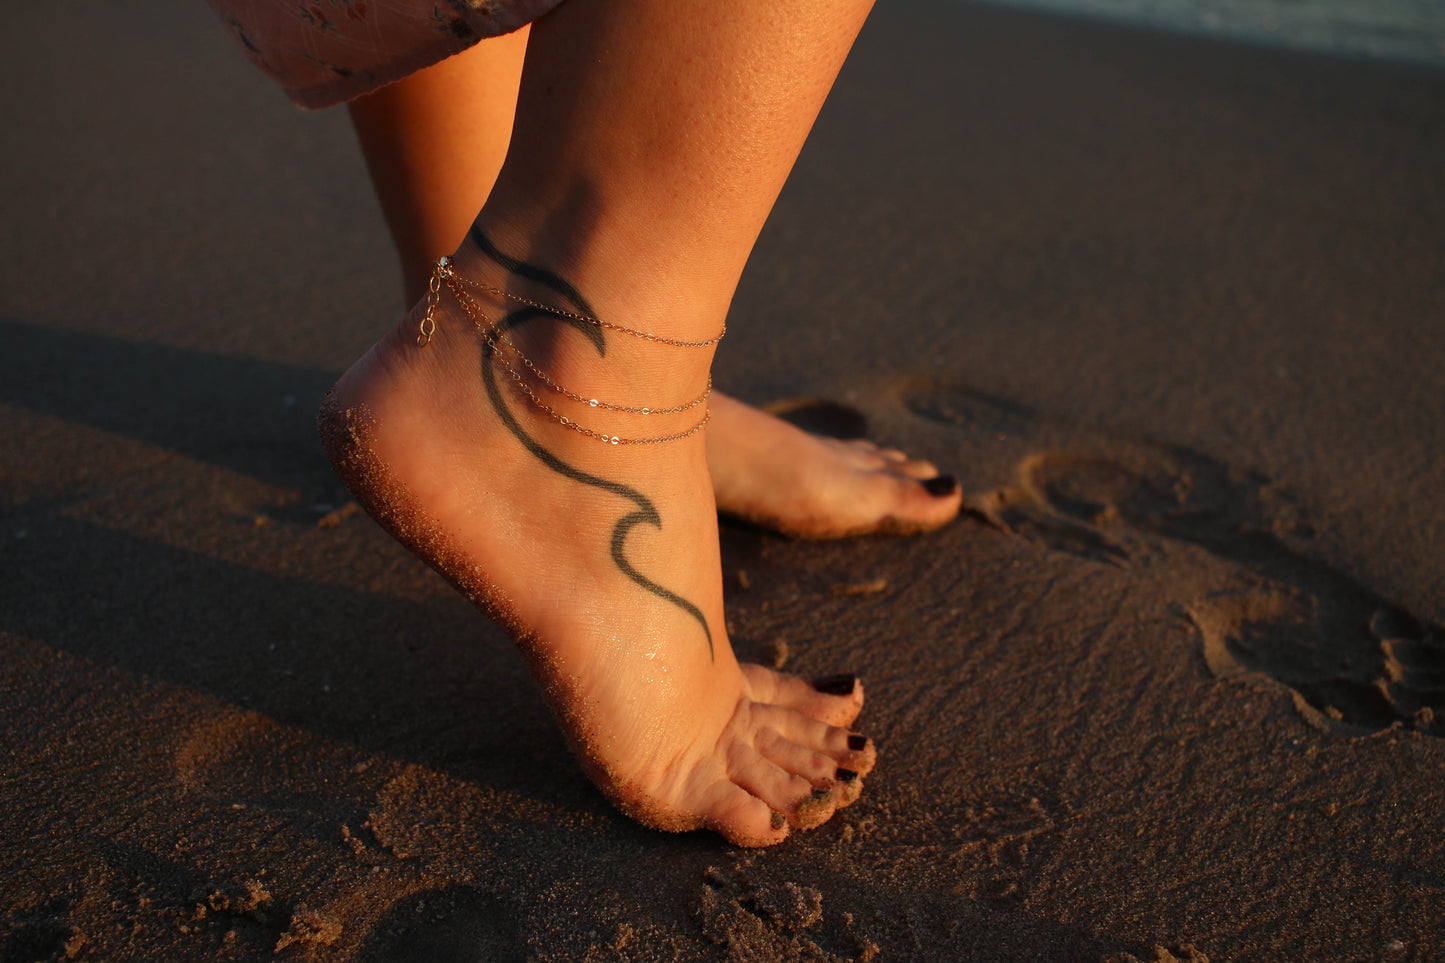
(573, 263)
(543, 348)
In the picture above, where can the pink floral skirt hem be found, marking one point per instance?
(326, 52)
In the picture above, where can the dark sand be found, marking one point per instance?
(1174, 311)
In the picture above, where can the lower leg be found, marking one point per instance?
(602, 558)
(434, 143)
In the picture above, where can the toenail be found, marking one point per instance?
(845, 775)
(838, 685)
(940, 486)
(779, 821)
(857, 743)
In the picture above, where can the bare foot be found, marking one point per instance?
(776, 475)
(600, 559)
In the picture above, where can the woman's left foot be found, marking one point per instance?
(772, 473)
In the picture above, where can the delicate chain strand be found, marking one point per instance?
(474, 310)
(566, 422)
(492, 334)
(428, 325)
(445, 268)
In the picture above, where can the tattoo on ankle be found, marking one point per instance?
(646, 512)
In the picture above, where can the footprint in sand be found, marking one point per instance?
(760, 918)
(1268, 613)
(821, 417)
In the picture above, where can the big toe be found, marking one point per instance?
(879, 494)
(836, 699)
(906, 503)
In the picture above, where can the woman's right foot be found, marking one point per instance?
(600, 559)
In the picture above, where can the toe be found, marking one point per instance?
(883, 492)
(920, 504)
(835, 700)
(816, 810)
(865, 455)
(843, 784)
(744, 819)
(847, 786)
(784, 792)
(860, 454)
(849, 750)
(917, 468)
(818, 768)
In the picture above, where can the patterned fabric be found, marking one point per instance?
(325, 52)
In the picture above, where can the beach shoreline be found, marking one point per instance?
(1406, 31)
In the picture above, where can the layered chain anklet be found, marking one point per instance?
(493, 335)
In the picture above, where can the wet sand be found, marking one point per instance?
(1171, 310)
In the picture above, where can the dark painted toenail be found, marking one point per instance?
(838, 685)
(779, 820)
(940, 486)
(857, 743)
(845, 775)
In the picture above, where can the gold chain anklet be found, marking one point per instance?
(444, 266)
(601, 436)
(492, 334)
(474, 311)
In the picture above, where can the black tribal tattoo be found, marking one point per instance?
(646, 512)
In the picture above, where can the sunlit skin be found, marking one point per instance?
(602, 560)
(435, 143)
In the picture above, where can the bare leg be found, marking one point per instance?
(647, 155)
(435, 142)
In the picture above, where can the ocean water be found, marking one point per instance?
(1407, 30)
